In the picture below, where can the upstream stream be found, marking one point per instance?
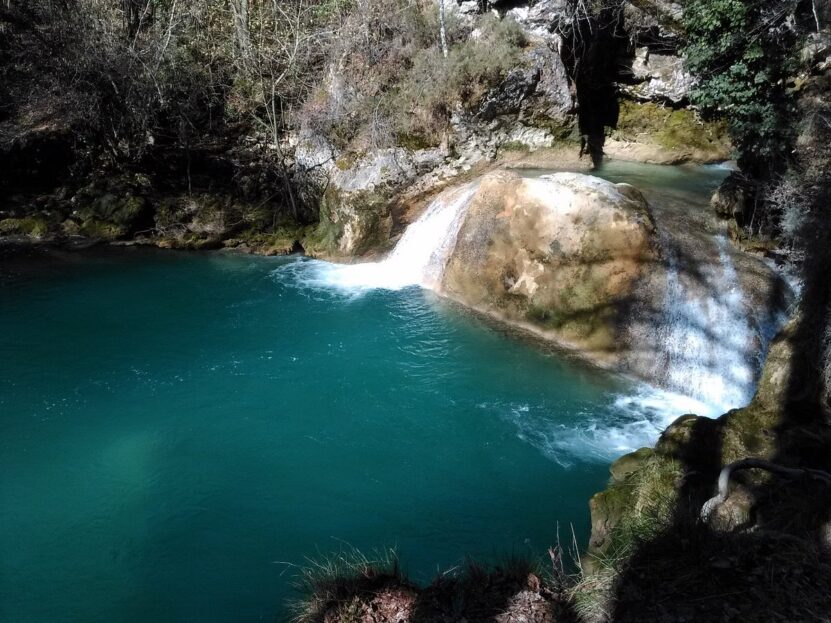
(177, 431)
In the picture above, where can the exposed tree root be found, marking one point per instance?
(728, 470)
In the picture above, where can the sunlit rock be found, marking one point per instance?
(560, 253)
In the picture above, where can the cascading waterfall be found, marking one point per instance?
(420, 256)
(707, 338)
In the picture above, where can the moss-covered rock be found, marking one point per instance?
(31, 226)
(639, 499)
(101, 230)
(674, 135)
(283, 241)
(358, 192)
(353, 223)
(696, 448)
(629, 463)
(114, 207)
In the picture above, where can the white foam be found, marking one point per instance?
(708, 340)
(606, 431)
(418, 259)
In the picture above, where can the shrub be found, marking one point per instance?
(393, 85)
(742, 53)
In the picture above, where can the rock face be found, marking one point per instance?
(560, 254)
(539, 92)
(358, 192)
(660, 76)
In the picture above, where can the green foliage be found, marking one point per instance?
(742, 53)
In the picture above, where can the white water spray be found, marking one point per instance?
(708, 341)
(418, 259)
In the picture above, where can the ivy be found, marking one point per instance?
(741, 53)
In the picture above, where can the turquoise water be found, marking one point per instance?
(175, 428)
(178, 430)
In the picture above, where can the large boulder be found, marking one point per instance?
(731, 198)
(560, 254)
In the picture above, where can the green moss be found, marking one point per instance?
(749, 432)
(101, 230)
(635, 507)
(671, 129)
(191, 242)
(317, 239)
(565, 132)
(32, 226)
(368, 211)
(346, 161)
(629, 463)
(415, 141)
(280, 242)
(514, 146)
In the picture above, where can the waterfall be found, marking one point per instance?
(706, 346)
(707, 338)
(420, 256)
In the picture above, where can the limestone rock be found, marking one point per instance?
(655, 19)
(313, 152)
(538, 94)
(559, 254)
(355, 212)
(661, 76)
(542, 18)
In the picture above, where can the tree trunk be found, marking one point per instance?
(239, 9)
(137, 14)
(442, 30)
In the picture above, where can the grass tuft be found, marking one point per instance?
(338, 581)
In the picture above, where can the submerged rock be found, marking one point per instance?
(560, 254)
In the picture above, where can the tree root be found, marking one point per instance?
(728, 470)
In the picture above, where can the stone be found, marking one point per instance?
(659, 20)
(537, 93)
(543, 18)
(729, 201)
(663, 77)
(359, 192)
(559, 254)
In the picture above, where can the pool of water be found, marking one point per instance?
(178, 430)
